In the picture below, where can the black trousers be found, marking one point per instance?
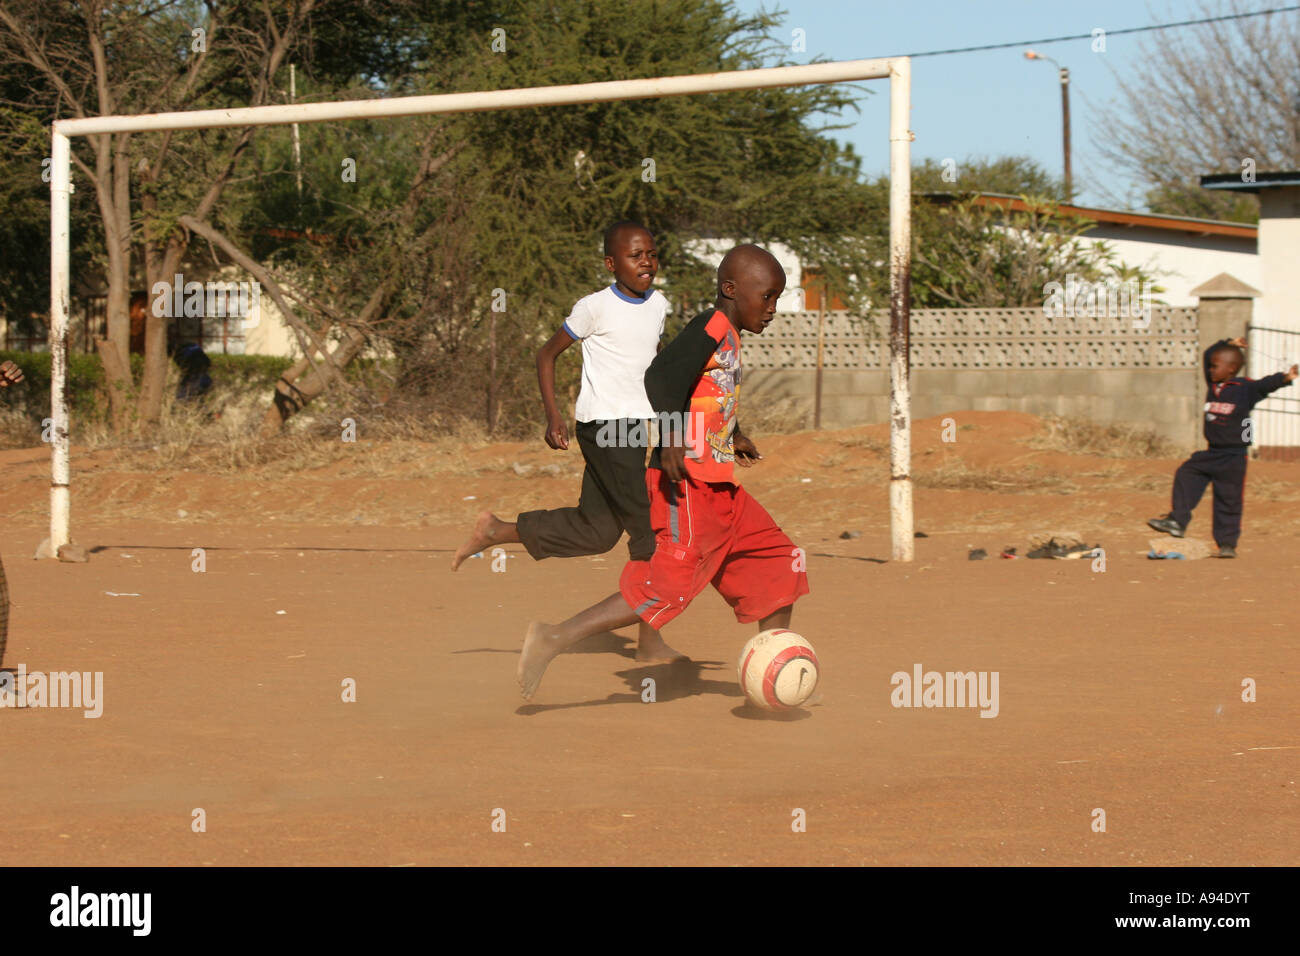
(613, 500)
(1226, 468)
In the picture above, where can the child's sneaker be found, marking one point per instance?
(1226, 552)
(1166, 524)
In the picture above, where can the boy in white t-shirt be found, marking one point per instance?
(620, 329)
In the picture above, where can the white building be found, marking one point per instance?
(792, 300)
(1182, 252)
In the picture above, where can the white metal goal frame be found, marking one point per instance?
(896, 69)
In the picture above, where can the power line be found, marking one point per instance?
(1109, 33)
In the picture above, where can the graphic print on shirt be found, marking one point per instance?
(714, 400)
(1218, 408)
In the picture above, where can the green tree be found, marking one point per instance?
(75, 59)
(1009, 175)
(521, 197)
(969, 255)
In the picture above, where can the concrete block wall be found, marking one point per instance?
(1154, 382)
(1166, 400)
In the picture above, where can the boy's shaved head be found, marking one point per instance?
(617, 229)
(745, 261)
(750, 281)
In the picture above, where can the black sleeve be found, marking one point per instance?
(1266, 386)
(672, 375)
(1205, 359)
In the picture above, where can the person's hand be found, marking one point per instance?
(1238, 341)
(10, 374)
(1293, 373)
(746, 453)
(557, 433)
(672, 462)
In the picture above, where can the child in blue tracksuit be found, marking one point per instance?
(1228, 403)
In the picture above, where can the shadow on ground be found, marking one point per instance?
(673, 681)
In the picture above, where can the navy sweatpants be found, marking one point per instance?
(613, 500)
(1226, 468)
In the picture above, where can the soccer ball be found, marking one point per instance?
(777, 670)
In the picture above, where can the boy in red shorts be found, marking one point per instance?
(708, 530)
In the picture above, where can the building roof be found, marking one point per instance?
(1234, 182)
(1184, 224)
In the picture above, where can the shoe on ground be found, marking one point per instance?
(1166, 524)
(1226, 552)
(1052, 549)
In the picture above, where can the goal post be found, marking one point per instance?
(900, 312)
(896, 69)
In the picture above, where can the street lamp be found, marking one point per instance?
(1065, 117)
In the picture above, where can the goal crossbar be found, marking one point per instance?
(896, 69)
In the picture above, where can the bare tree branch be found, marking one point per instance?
(1205, 100)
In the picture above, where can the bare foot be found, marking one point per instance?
(652, 649)
(539, 650)
(488, 529)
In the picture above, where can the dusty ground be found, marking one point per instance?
(1119, 690)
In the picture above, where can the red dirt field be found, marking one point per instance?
(1118, 689)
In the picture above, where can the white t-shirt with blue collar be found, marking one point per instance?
(620, 336)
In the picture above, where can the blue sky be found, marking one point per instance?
(995, 102)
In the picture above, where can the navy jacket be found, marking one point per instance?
(1229, 403)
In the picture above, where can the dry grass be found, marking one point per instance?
(955, 475)
(1261, 489)
(17, 429)
(865, 443)
(194, 437)
(782, 416)
(1108, 475)
(1153, 482)
(1257, 489)
(1082, 436)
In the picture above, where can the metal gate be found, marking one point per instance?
(1277, 418)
